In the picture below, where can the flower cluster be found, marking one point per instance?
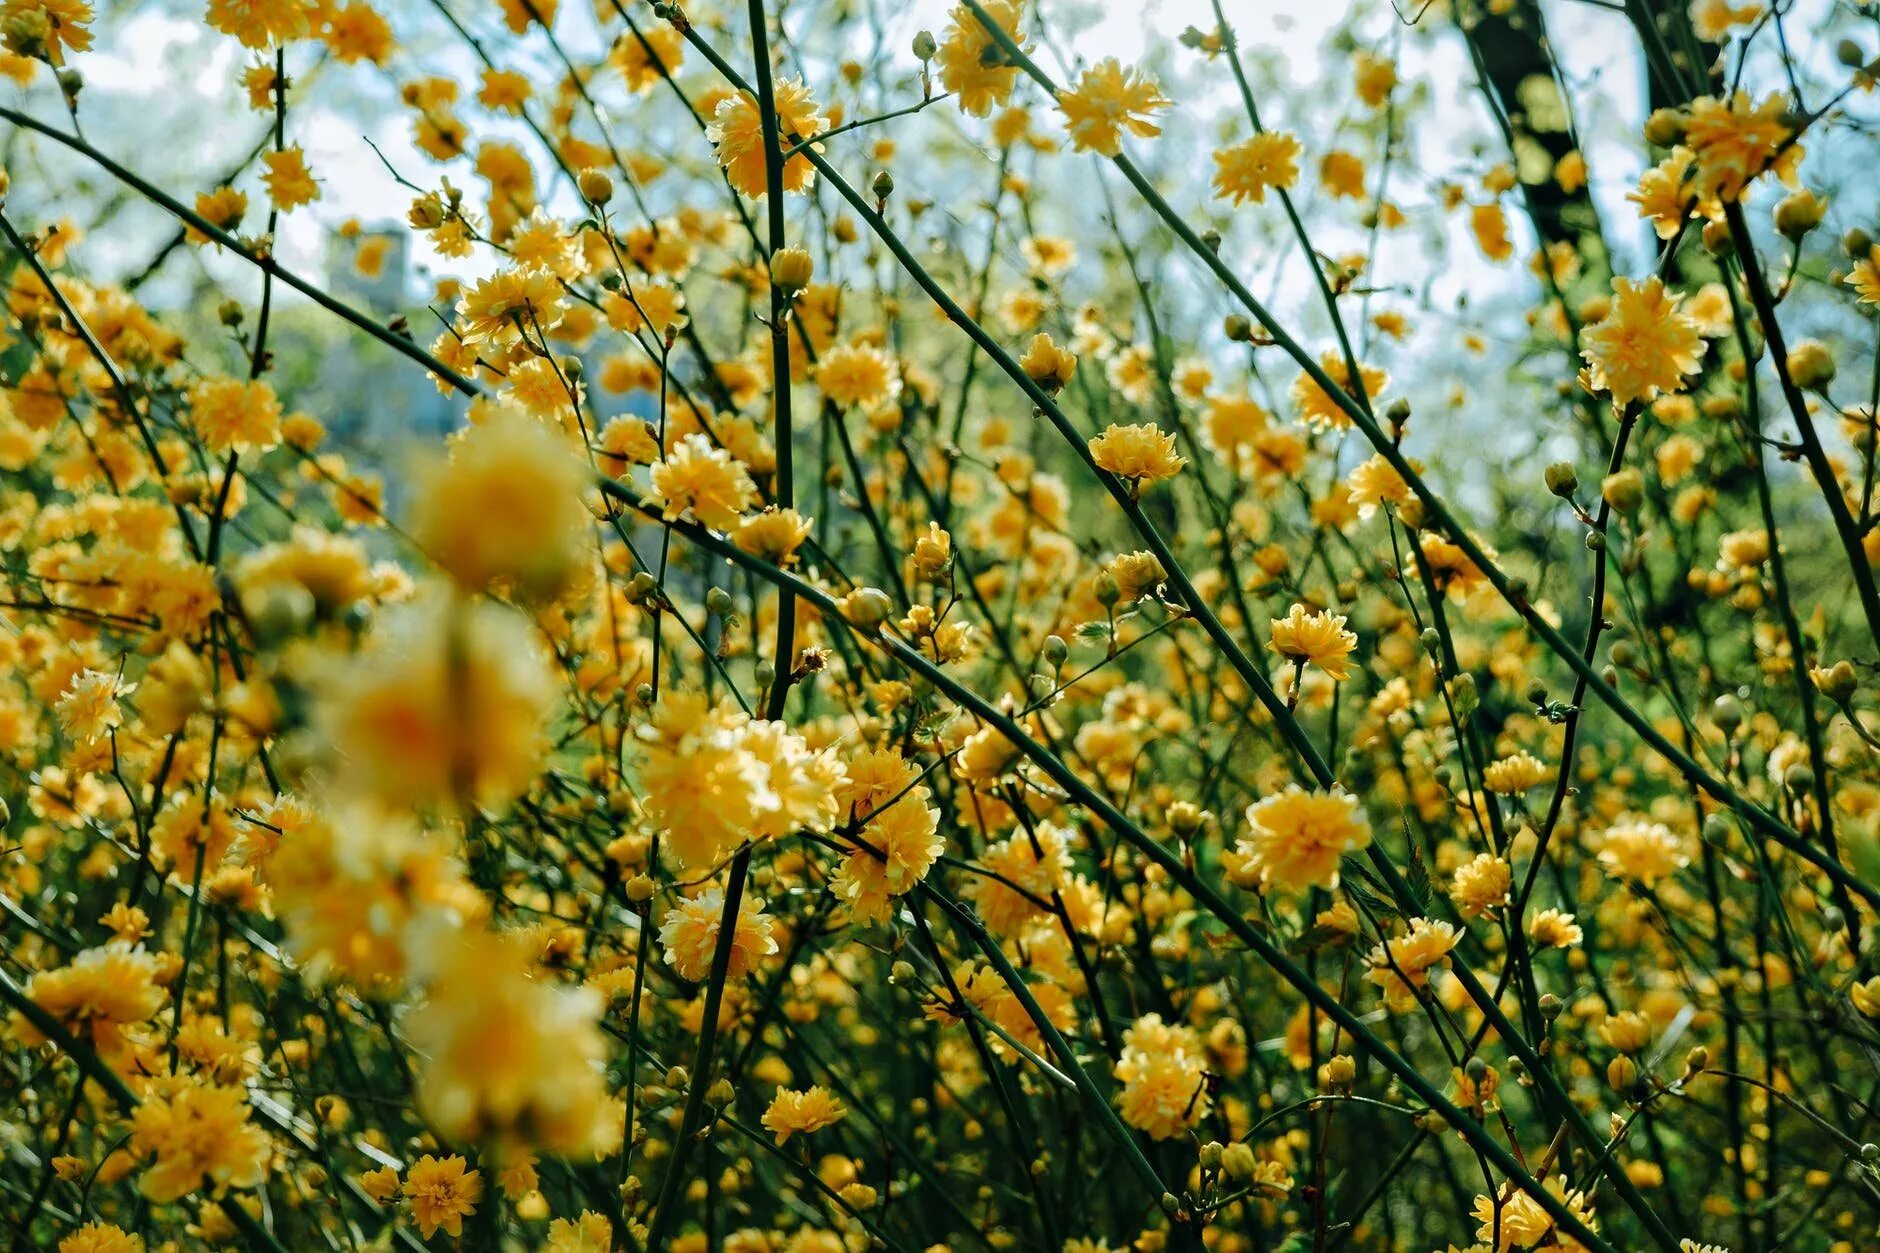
(822, 637)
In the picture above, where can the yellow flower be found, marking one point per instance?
(737, 131)
(1742, 552)
(1662, 197)
(1232, 426)
(1376, 482)
(1375, 76)
(351, 883)
(99, 992)
(898, 842)
(1319, 638)
(812, 1109)
(689, 935)
(1142, 454)
(1402, 965)
(1864, 278)
(1108, 100)
(933, 553)
(1025, 868)
(261, 24)
(1712, 20)
(1163, 1070)
(1490, 225)
(380, 1184)
(972, 66)
(507, 1056)
(1048, 365)
(773, 534)
(288, 181)
(447, 697)
(442, 1194)
(705, 482)
(509, 303)
(1137, 574)
(857, 374)
(590, 1233)
(1644, 345)
(235, 415)
(1522, 1222)
(101, 1238)
(644, 56)
(194, 1131)
(1296, 839)
(1482, 883)
(1628, 1031)
(1510, 776)
(1554, 928)
(1316, 407)
(1342, 175)
(222, 208)
(504, 509)
(88, 708)
(1637, 848)
(1735, 140)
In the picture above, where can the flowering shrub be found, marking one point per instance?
(1000, 656)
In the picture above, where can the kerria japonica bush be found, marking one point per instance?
(830, 626)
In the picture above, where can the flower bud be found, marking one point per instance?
(1054, 651)
(792, 268)
(1108, 593)
(1338, 1072)
(1837, 682)
(640, 889)
(1185, 818)
(1799, 212)
(1856, 243)
(866, 606)
(640, 587)
(1237, 1161)
(1665, 128)
(1621, 1073)
(718, 602)
(1727, 712)
(426, 213)
(596, 188)
(1211, 1154)
(883, 185)
(1811, 365)
(1562, 480)
(1624, 490)
(1237, 328)
(1848, 53)
(924, 46)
